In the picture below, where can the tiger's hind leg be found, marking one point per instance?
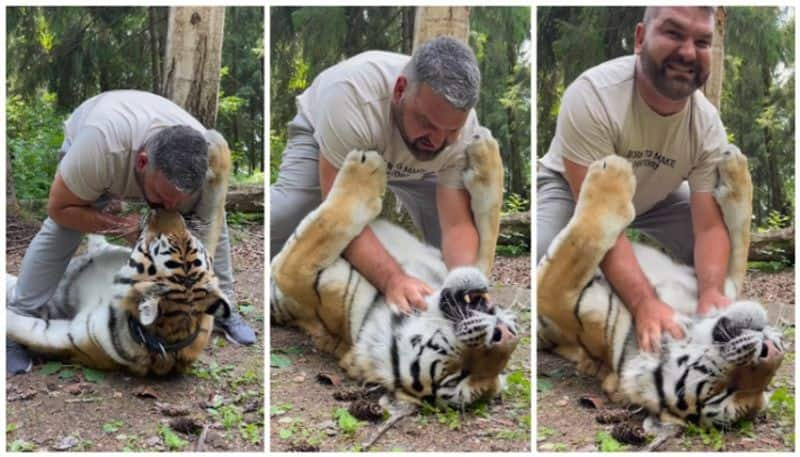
(603, 209)
(734, 195)
(483, 179)
(354, 200)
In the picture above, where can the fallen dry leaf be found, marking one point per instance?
(145, 392)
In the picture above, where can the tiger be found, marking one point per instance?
(451, 354)
(148, 309)
(720, 372)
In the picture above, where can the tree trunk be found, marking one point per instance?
(155, 48)
(515, 228)
(245, 199)
(408, 29)
(772, 245)
(11, 192)
(713, 87)
(433, 21)
(193, 59)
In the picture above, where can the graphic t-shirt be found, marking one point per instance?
(602, 114)
(105, 134)
(349, 107)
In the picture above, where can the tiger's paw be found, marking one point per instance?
(606, 196)
(483, 176)
(360, 185)
(734, 191)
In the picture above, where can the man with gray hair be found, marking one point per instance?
(647, 108)
(117, 145)
(418, 113)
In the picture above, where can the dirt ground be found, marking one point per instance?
(303, 410)
(68, 408)
(563, 425)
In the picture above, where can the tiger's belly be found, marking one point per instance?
(87, 282)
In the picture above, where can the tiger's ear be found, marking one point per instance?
(221, 307)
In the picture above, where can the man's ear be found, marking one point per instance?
(141, 160)
(400, 87)
(638, 37)
(220, 307)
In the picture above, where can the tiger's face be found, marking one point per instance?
(720, 373)
(172, 274)
(486, 336)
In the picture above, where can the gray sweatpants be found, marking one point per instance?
(50, 251)
(296, 192)
(669, 222)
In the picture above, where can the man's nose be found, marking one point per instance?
(688, 51)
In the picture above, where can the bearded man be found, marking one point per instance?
(648, 109)
(417, 112)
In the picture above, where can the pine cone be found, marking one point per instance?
(349, 394)
(366, 410)
(612, 416)
(629, 433)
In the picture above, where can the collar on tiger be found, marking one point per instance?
(155, 344)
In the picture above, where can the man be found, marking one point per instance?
(647, 108)
(119, 144)
(417, 112)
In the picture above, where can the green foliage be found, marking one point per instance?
(171, 439)
(21, 446)
(34, 137)
(607, 443)
(711, 437)
(511, 250)
(238, 219)
(346, 422)
(543, 385)
(51, 367)
(279, 361)
(211, 370)
(515, 203)
(776, 220)
(781, 405)
(92, 375)
(112, 426)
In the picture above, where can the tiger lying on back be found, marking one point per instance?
(452, 353)
(148, 309)
(719, 373)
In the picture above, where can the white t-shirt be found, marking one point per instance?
(602, 114)
(106, 132)
(348, 106)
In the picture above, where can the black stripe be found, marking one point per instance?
(609, 309)
(658, 379)
(75, 346)
(112, 327)
(395, 355)
(124, 280)
(680, 387)
(316, 286)
(577, 311)
(624, 349)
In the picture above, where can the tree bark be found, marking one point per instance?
(433, 21)
(155, 48)
(193, 59)
(765, 246)
(713, 86)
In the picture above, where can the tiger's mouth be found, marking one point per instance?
(477, 319)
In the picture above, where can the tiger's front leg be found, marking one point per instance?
(483, 179)
(603, 209)
(318, 242)
(734, 195)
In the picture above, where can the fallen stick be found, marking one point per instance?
(393, 419)
(201, 441)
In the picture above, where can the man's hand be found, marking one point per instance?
(652, 317)
(709, 299)
(126, 226)
(404, 292)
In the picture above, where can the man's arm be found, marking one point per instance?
(623, 271)
(459, 234)
(371, 259)
(712, 248)
(70, 211)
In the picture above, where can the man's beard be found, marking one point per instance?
(415, 147)
(672, 87)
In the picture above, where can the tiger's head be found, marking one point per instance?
(485, 337)
(171, 279)
(718, 374)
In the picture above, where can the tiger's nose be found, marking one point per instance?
(769, 351)
(503, 335)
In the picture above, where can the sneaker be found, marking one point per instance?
(18, 359)
(235, 329)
